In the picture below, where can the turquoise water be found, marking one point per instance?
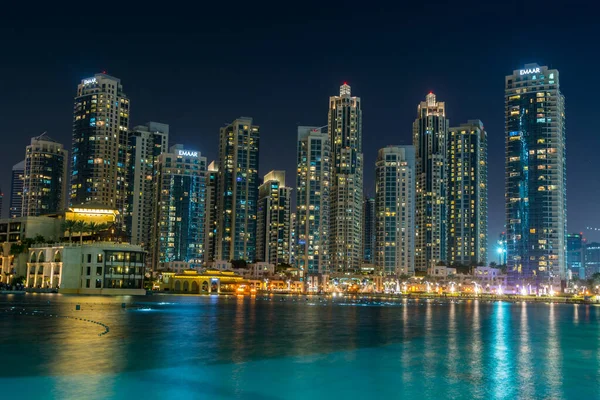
(293, 348)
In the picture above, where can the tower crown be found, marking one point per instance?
(345, 90)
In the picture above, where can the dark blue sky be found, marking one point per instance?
(198, 69)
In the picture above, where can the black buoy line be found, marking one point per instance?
(17, 311)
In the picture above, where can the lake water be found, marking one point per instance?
(276, 347)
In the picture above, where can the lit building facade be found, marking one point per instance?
(346, 197)
(45, 177)
(395, 210)
(368, 230)
(211, 224)
(576, 255)
(16, 190)
(592, 259)
(181, 207)
(95, 268)
(467, 194)
(100, 136)
(146, 143)
(273, 226)
(535, 176)
(312, 201)
(238, 190)
(430, 132)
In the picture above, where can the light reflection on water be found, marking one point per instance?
(289, 347)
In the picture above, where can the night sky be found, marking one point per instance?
(201, 70)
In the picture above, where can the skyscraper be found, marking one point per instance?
(576, 255)
(238, 190)
(100, 136)
(535, 178)
(395, 210)
(368, 230)
(273, 226)
(211, 225)
(312, 203)
(181, 206)
(292, 241)
(1, 201)
(345, 130)
(467, 194)
(45, 177)
(430, 132)
(16, 190)
(146, 143)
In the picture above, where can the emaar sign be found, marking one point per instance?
(89, 81)
(187, 153)
(530, 71)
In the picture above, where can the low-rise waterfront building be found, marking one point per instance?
(206, 282)
(90, 268)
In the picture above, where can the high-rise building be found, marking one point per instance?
(535, 177)
(238, 190)
(430, 132)
(592, 259)
(313, 181)
(345, 131)
(45, 177)
(100, 137)
(273, 226)
(467, 194)
(211, 225)
(395, 210)
(368, 230)
(1, 201)
(292, 241)
(576, 255)
(181, 206)
(146, 143)
(16, 190)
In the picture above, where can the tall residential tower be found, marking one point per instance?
(346, 207)
(536, 200)
(395, 210)
(181, 206)
(45, 177)
(100, 135)
(313, 181)
(146, 143)
(430, 131)
(238, 190)
(467, 194)
(273, 231)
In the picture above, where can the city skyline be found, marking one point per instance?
(195, 100)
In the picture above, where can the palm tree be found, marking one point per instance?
(69, 226)
(93, 228)
(80, 227)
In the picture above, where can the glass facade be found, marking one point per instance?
(122, 270)
(467, 194)
(395, 210)
(16, 190)
(238, 190)
(535, 177)
(312, 200)
(45, 177)
(576, 255)
(181, 207)
(369, 230)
